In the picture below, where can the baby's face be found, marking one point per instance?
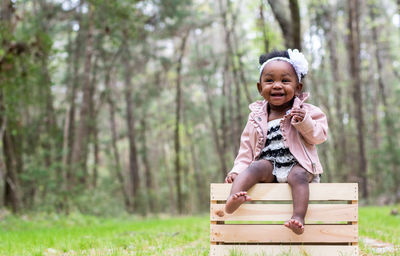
(279, 83)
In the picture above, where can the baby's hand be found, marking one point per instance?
(231, 177)
(298, 114)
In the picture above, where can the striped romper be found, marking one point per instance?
(277, 153)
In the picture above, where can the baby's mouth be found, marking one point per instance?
(277, 94)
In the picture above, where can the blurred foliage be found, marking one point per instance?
(42, 58)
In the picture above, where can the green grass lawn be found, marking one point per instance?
(84, 235)
(87, 235)
(377, 223)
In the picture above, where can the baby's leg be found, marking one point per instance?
(258, 171)
(299, 180)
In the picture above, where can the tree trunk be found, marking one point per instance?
(296, 24)
(282, 15)
(80, 150)
(173, 201)
(114, 136)
(216, 137)
(337, 127)
(178, 123)
(289, 21)
(241, 70)
(93, 129)
(130, 119)
(224, 124)
(151, 195)
(164, 161)
(12, 157)
(187, 169)
(229, 55)
(263, 27)
(96, 157)
(354, 58)
(398, 11)
(49, 120)
(3, 125)
(12, 193)
(234, 127)
(340, 143)
(199, 189)
(69, 125)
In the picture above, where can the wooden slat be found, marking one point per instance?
(230, 233)
(281, 192)
(315, 250)
(282, 212)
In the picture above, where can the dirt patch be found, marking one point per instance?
(379, 248)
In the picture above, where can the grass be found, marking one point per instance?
(85, 235)
(377, 223)
(77, 234)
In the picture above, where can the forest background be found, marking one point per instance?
(137, 106)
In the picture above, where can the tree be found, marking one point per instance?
(178, 111)
(289, 22)
(80, 149)
(354, 59)
(9, 128)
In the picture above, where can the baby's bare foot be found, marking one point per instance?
(296, 224)
(235, 200)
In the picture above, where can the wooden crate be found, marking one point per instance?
(256, 228)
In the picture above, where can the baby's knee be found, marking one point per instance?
(262, 167)
(299, 175)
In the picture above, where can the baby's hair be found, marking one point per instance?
(274, 54)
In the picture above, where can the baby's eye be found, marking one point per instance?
(285, 80)
(269, 81)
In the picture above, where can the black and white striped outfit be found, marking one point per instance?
(276, 152)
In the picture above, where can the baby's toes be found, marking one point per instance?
(298, 224)
(237, 195)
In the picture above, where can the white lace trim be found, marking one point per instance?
(274, 123)
(282, 173)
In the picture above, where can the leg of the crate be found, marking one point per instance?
(216, 222)
(354, 222)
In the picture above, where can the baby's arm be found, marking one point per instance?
(311, 123)
(245, 154)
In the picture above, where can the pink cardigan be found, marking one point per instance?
(300, 137)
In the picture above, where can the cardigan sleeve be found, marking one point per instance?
(245, 154)
(314, 127)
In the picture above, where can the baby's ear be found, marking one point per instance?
(259, 87)
(299, 88)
